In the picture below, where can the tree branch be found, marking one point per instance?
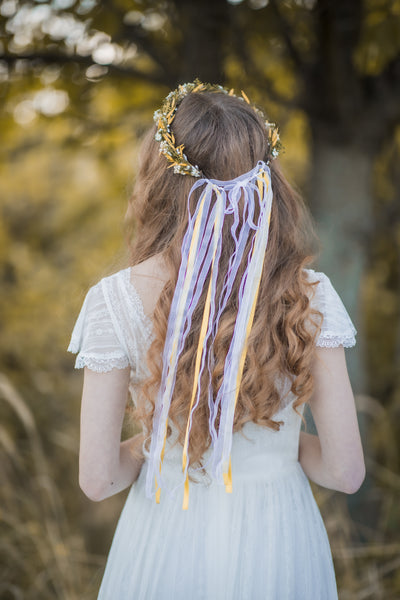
(135, 33)
(240, 46)
(85, 61)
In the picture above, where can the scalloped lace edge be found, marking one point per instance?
(335, 342)
(101, 365)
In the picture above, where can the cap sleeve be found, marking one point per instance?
(337, 327)
(95, 338)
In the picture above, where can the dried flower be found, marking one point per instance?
(165, 115)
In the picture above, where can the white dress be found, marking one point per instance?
(267, 539)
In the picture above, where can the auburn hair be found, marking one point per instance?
(225, 138)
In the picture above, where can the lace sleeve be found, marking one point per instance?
(99, 346)
(337, 327)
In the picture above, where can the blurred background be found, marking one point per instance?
(79, 81)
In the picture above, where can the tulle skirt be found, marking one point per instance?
(265, 541)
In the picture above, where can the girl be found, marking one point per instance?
(221, 335)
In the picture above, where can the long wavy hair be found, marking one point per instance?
(225, 137)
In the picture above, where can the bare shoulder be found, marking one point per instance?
(149, 278)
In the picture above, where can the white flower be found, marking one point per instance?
(195, 172)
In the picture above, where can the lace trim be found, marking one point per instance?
(101, 365)
(334, 341)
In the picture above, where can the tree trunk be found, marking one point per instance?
(204, 25)
(341, 202)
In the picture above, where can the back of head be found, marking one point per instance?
(222, 134)
(225, 137)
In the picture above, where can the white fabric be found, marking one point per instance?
(266, 540)
(337, 327)
(112, 329)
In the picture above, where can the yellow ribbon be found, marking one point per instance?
(203, 331)
(179, 317)
(228, 478)
(227, 475)
(158, 489)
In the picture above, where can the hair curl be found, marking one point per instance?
(225, 138)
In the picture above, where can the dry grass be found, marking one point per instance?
(364, 529)
(43, 555)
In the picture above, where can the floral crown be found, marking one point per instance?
(166, 114)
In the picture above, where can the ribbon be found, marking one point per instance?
(201, 251)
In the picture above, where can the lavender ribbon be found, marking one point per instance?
(201, 251)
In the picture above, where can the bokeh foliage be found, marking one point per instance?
(80, 80)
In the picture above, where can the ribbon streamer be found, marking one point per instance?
(201, 251)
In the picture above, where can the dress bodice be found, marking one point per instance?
(113, 331)
(258, 453)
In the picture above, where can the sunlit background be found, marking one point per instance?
(79, 81)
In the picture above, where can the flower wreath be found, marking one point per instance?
(166, 114)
